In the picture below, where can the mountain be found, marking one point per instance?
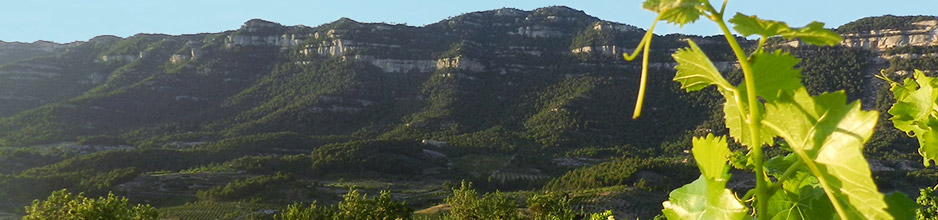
(461, 75)
(506, 98)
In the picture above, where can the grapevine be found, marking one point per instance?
(823, 175)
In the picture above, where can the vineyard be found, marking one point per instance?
(206, 210)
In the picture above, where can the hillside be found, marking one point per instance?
(508, 99)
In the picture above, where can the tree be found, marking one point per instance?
(465, 203)
(63, 205)
(354, 206)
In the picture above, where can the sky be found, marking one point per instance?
(66, 21)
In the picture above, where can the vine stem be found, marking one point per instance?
(790, 171)
(799, 151)
(778, 184)
(643, 46)
(754, 120)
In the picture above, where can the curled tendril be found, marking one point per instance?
(643, 47)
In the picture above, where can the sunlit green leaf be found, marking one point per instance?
(710, 153)
(695, 71)
(753, 25)
(678, 12)
(737, 125)
(801, 197)
(828, 135)
(814, 33)
(775, 73)
(914, 113)
(706, 197)
(703, 199)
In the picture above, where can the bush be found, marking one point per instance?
(65, 206)
(353, 207)
(929, 209)
(466, 204)
(550, 206)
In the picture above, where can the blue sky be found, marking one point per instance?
(71, 20)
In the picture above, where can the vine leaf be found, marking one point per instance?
(678, 12)
(707, 197)
(828, 136)
(774, 73)
(735, 122)
(711, 153)
(753, 25)
(914, 110)
(901, 206)
(814, 33)
(695, 71)
(800, 196)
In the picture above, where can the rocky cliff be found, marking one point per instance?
(16, 51)
(923, 33)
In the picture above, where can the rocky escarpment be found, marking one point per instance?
(926, 34)
(257, 32)
(886, 32)
(606, 49)
(16, 51)
(898, 42)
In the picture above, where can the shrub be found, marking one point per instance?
(66, 206)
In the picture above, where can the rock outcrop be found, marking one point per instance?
(398, 65)
(258, 32)
(461, 63)
(926, 34)
(15, 51)
(538, 31)
(284, 40)
(120, 58)
(608, 50)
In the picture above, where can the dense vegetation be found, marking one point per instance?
(625, 171)
(352, 206)
(885, 22)
(65, 205)
(828, 69)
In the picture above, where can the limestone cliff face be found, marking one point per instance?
(258, 32)
(120, 58)
(345, 48)
(461, 63)
(606, 47)
(284, 40)
(608, 50)
(397, 65)
(15, 51)
(538, 31)
(926, 34)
